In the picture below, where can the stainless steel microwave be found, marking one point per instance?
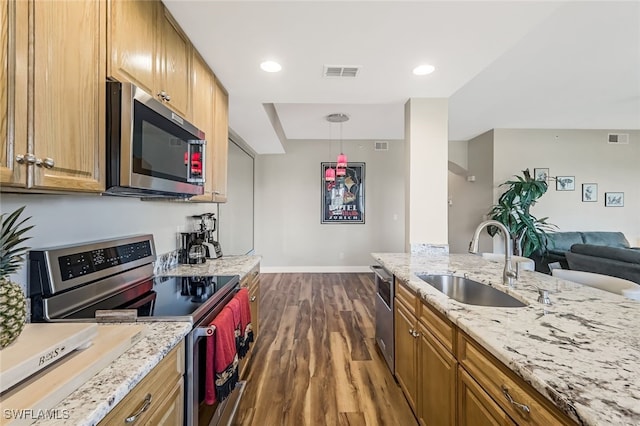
(151, 151)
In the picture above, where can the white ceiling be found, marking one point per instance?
(510, 64)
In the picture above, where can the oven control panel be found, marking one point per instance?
(87, 262)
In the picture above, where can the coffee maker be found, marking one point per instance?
(199, 245)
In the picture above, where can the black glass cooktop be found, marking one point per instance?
(181, 296)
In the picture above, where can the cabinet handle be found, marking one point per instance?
(147, 403)
(162, 95)
(28, 158)
(167, 98)
(253, 299)
(47, 163)
(415, 333)
(523, 407)
(20, 159)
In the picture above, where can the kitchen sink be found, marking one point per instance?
(471, 292)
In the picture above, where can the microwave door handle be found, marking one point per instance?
(191, 144)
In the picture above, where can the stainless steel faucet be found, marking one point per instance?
(508, 274)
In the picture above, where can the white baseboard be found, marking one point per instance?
(312, 269)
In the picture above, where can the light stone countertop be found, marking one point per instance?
(92, 401)
(582, 352)
(226, 265)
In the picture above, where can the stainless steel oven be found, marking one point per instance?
(384, 314)
(72, 283)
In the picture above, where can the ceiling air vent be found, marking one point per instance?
(381, 146)
(341, 70)
(618, 138)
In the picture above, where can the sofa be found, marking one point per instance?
(613, 261)
(560, 243)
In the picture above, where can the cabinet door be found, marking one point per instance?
(405, 352)
(437, 369)
(475, 406)
(132, 43)
(175, 55)
(254, 303)
(171, 411)
(13, 91)
(202, 87)
(69, 95)
(220, 143)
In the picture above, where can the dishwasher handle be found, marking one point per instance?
(382, 273)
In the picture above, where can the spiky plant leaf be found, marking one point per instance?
(12, 246)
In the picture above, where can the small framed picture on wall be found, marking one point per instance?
(614, 199)
(589, 192)
(565, 183)
(541, 174)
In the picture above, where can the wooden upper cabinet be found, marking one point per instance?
(132, 39)
(13, 91)
(53, 99)
(220, 143)
(203, 92)
(147, 48)
(174, 58)
(68, 125)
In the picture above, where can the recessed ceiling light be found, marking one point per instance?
(270, 66)
(423, 69)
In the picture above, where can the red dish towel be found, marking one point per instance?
(222, 358)
(246, 330)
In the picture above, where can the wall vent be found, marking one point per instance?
(618, 138)
(381, 146)
(341, 70)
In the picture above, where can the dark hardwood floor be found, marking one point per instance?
(315, 361)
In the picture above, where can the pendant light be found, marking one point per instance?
(341, 163)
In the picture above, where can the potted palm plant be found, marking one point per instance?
(13, 308)
(528, 233)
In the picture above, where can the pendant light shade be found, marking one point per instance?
(342, 161)
(330, 175)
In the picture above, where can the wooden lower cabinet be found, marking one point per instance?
(406, 352)
(437, 371)
(158, 399)
(449, 379)
(252, 282)
(475, 406)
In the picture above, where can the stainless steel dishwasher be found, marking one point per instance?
(384, 314)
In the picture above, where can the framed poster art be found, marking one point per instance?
(589, 192)
(343, 199)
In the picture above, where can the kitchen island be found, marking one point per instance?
(582, 353)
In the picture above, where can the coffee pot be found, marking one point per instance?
(192, 248)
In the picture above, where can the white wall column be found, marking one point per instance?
(426, 135)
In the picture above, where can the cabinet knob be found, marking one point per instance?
(162, 95)
(525, 408)
(167, 98)
(253, 299)
(415, 333)
(28, 158)
(145, 406)
(47, 163)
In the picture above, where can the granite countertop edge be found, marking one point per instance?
(225, 265)
(542, 340)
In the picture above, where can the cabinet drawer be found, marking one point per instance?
(497, 380)
(155, 388)
(441, 327)
(407, 296)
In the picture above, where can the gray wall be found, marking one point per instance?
(70, 219)
(289, 235)
(470, 201)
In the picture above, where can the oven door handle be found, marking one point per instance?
(203, 331)
(381, 273)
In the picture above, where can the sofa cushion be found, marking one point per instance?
(558, 242)
(615, 253)
(611, 239)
